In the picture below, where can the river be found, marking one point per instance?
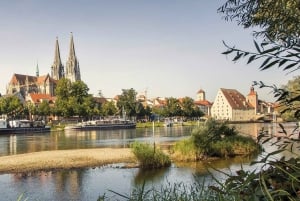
(88, 184)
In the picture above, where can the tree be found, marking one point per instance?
(172, 107)
(276, 179)
(189, 109)
(290, 110)
(79, 90)
(279, 19)
(43, 108)
(109, 109)
(280, 46)
(127, 102)
(73, 99)
(63, 89)
(11, 106)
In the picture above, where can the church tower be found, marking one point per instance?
(72, 67)
(252, 98)
(57, 69)
(201, 95)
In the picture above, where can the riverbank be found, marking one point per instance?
(64, 159)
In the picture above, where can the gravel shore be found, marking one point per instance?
(64, 159)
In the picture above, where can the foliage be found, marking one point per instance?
(197, 191)
(293, 89)
(149, 156)
(109, 109)
(11, 106)
(127, 102)
(189, 109)
(73, 99)
(174, 107)
(184, 150)
(274, 179)
(283, 55)
(205, 135)
(214, 139)
(43, 108)
(277, 19)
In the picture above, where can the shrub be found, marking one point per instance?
(214, 139)
(150, 157)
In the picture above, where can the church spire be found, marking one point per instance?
(37, 71)
(72, 67)
(57, 69)
(72, 48)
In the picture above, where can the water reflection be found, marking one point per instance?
(152, 176)
(88, 184)
(17, 144)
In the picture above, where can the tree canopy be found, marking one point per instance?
(278, 19)
(73, 99)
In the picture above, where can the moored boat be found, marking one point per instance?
(22, 126)
(102, 125)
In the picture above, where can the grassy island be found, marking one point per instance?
(214, 139)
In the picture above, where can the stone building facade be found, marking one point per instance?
(46, 84)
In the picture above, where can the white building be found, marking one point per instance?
(231, 105)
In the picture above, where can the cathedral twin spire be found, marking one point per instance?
(72, 67)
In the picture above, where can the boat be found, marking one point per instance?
(168, 123)
(22, 126)
(103, 125)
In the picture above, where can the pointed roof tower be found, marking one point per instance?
(57, 69)
(37, 71)
(72, 67)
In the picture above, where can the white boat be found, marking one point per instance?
(102, 125)
(22, 126)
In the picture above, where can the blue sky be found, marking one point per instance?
(170, 48)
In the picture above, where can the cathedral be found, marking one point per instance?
(46, 84)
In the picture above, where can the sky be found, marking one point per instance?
(168, 48)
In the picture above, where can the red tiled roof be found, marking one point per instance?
(235, 99)
(36, 98)
(203, 103)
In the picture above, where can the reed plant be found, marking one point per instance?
(150, 156)
(198, 191)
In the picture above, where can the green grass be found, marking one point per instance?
(149, 156)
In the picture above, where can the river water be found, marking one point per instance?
(89, 184)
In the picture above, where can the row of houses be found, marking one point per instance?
(229, 104)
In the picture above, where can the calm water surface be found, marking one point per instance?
(88, 184)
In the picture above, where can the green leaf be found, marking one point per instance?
(270, 50)
(238, 56)
(257, 47)
(290, 66)
(265, 62)
(228, 51)
(251, 59)
(282, 62)
(270, 65)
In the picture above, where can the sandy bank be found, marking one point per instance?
(64, 159)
